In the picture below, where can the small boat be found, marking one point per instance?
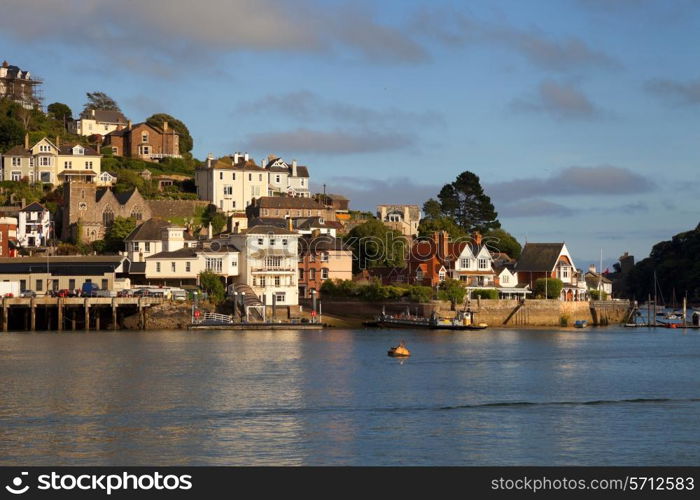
(580, 323)
(400, 351)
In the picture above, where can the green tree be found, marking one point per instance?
(375, 245)
(453, 291)
(499, 240)
(60, 111)
(464, 201)
(186, 142)
(549, 288)
(418, 293)
(428, 226)
(212, 284)
(432, 209)
(121, 228)
(11, 133)
(100, 101)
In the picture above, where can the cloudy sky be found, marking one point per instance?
(579, 116)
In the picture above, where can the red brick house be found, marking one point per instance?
(144, 141)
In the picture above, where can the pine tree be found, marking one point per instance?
(464, 201)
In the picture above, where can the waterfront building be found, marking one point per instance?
(154, 236)
(322, 257)
(551, 260)
(144, 141)
(8, 236)
(598, 281)
(34, 226)
(269, 263)
(181, 265)
(64, 272)
(50, 162)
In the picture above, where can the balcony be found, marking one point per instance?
(274, 270)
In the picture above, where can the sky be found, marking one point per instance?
(579, 116)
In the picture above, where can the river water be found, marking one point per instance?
(610, 396)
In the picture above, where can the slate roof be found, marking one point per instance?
(34, 207)
(80, 265)
(267, 229)
(288, 202)
(227, 163)
(182, 253)
(539, 257)
(105, 116)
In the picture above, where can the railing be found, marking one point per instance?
(275, 269)
(214, 318)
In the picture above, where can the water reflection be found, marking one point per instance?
(334, 397)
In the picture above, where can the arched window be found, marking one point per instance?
(136, 213)
(107, 217)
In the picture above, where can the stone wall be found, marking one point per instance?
(176, 208)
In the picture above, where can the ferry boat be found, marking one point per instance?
(463, 321)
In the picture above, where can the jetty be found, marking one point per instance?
(73, 313)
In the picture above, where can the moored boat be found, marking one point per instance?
(463, 321)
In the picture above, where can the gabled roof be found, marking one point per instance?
(34, 207)
(105, 116)
(148, 231)
(67, 149)
(539, 257)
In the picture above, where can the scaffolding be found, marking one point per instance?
(20, 86)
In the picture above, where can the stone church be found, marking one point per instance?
(93, 209)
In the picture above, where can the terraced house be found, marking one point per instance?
(50, 162)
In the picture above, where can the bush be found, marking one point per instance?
(484, 293)
(553, 287)
(598, 294)
(418, 293)
(564, 320)
(213, 286)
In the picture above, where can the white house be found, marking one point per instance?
(290, 180)
(269, 263)
(106, 179)
(182, 266)
(154, 236)
(231, 183)
(99, 121)
(473, 266)
(34, 225)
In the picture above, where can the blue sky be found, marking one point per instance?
(579, 116)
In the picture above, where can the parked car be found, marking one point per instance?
(28, 294)
(104, 293)
(125, 293)
(179, 295)
(89, 290)
(63, 293)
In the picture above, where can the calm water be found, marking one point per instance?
(500, 397)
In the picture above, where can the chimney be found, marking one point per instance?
(26, 140)
(128, 125)
(290, 225)
(58, 141)
(210, 157)
(294, 168)
(477, 238)
(591, 268)
(235, 158)
(92, 112)
(165, 126)
(245, 157)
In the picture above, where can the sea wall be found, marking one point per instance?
(493, 312)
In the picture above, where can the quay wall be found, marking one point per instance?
(493, 312)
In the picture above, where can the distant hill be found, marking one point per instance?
(677, 266)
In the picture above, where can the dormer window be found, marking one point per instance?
(78, 150)
(483, 263)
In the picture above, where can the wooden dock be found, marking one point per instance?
(260, 326)
(71, 313)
